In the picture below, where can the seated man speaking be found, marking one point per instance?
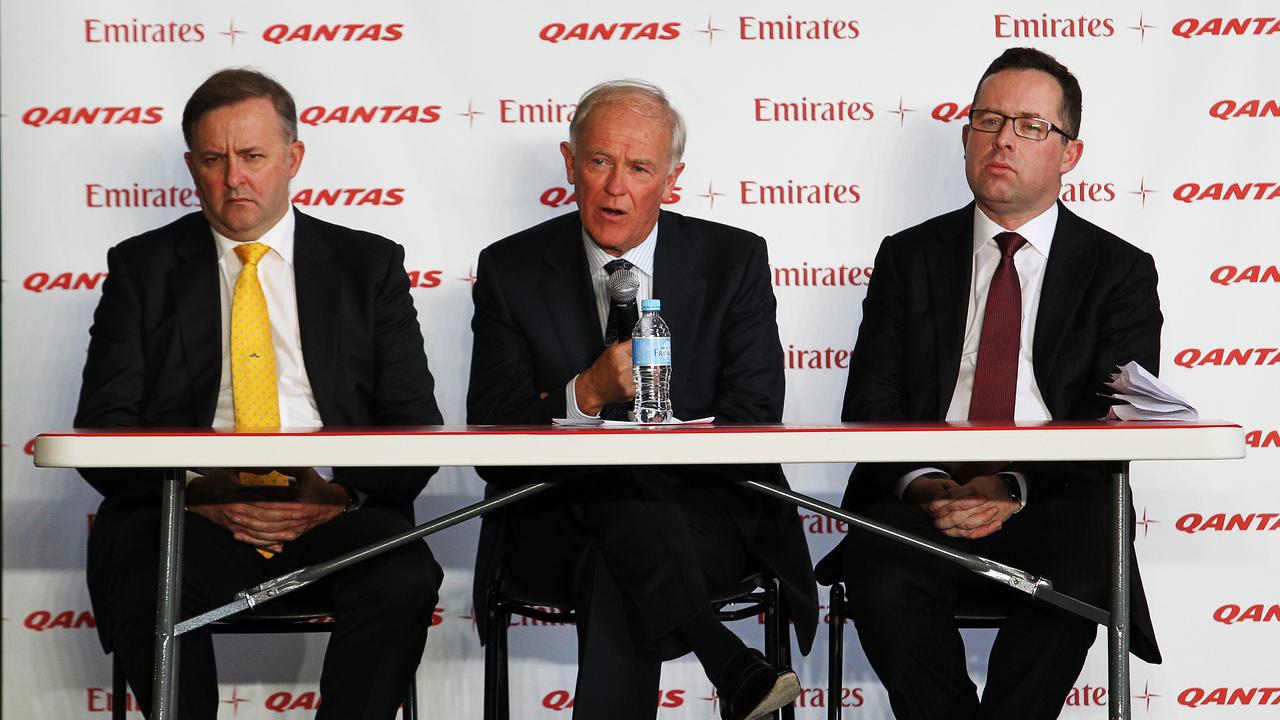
(636, 548)
(251, 315)
(1011, 308)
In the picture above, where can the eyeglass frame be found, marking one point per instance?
(1015, 119)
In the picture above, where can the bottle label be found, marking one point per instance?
(651, 351)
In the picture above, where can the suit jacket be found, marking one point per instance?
(536, 327)
(155, 349)
(1098, 309)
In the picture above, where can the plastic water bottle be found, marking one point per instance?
(651, 365)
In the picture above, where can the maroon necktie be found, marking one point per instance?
(995, 380)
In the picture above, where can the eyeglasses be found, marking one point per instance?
(1031, 128)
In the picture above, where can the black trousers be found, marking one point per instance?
(382, 607)
(904, 601)
(634, 553)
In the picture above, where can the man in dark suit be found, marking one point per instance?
(339, 345)
(1012, 308)
(635, 548)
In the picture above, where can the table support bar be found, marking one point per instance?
(1005, 575)
(1118, 634)
(302, 577)
(169, 596)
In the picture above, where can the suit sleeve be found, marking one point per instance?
(503, 387)
(1129, 324)
(752, 384)
(876, 387)
(112, 390)
(404, 390)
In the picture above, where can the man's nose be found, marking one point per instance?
(615, 182)
(1005, 136)
(234, 177)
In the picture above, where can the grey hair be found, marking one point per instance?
(638, 95)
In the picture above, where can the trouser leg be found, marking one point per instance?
(382, 610)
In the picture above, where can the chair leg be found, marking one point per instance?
(410, 708)
(503, 665)
(491, 657)
(835, 652)
(119, 690)
(784, 641)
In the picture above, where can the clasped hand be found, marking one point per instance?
(974, 510)
(265, 517)
(608, 380)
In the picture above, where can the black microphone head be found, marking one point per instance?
(623, 286)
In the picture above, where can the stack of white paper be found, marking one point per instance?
(1146, 398)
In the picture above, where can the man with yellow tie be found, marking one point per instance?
(249, 315)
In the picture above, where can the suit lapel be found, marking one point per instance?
(566, 287)
(681, 291)
(194, 282)
(319, 293)
(949, 266)
(1072, 262)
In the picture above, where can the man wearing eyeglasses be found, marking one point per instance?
(1009, 309)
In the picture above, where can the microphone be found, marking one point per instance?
(623, 316)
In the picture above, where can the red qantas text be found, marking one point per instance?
(1194, 192)
(1197, 27)
(40, 282)
(1195, 357)
(1229, 109)
(1195, 697)
(349, 196)
(1192, 523)
(109, 115)
(369, 114)
(1232, 275)
(560, 32)
(42, 620)
(349, 32)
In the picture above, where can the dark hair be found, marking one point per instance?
(233, 85)
(1032, 59)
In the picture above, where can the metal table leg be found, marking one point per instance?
(169, 597)
(1118, 633)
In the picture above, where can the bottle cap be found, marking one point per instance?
(650, 305)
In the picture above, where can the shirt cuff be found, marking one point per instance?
(901, 486)
(1021, 478)
(571, 410)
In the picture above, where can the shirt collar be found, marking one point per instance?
(640, 256)
(1038, 231)
(279, 238)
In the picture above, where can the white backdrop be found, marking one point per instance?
(1181, 157)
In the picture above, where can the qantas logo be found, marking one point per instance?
(1232, 275)
(563, 700)
(1195, 697)
(1192, 523)
(369, 114)
(560, 32)
(1195, 357)
(108, 115)
(349, 196)
(556, 197)
(350, 32)
(1198, 27)
(1254, 438)
(1229, 109)
(41, 281)
(1194, 192)
(1231, 614)
(42, 620)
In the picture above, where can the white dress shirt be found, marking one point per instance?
(641, 256)
(275, 272)
(1030, 261)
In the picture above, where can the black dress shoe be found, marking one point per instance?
(751, 688)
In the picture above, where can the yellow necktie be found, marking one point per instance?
(253, 359)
